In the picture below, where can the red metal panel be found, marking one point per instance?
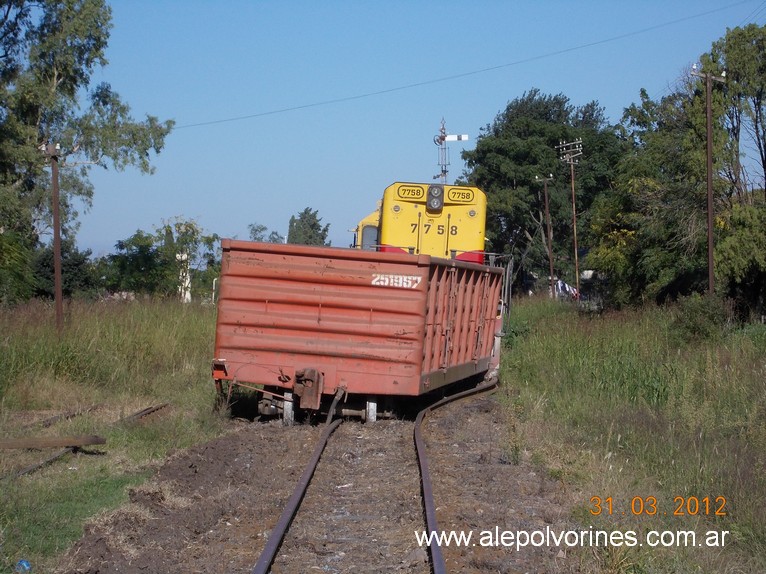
(356, 316)
(461, 321)
(372, 323)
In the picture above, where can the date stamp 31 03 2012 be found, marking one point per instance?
(650, 506)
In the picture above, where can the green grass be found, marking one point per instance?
(637, 403)
(119, 358)
(43, 525)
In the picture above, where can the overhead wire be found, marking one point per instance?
(751, 18)
(754, 14)
(470, 73)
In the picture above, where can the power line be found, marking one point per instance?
(464, 74)
(754, 14)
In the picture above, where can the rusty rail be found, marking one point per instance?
(51, 441)
(278, 533)
(130, 418)
(50, 421)
(437, 559)
(141, 414)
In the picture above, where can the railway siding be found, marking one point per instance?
(362, 507)
(212, 508)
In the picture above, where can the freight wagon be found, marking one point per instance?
(323, 329)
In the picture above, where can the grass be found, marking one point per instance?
(623, 405)
(113, 358)
(635, 404)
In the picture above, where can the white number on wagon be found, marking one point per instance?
(394, 280)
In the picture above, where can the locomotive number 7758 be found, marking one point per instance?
(440, 229)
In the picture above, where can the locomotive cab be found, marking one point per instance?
(445, 221)
(366, 233)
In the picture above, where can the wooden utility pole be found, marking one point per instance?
(53, 151)
(545, 181)
(708, 77)
(569, 152)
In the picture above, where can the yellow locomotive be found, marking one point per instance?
(434, 219)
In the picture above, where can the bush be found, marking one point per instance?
(701, 318)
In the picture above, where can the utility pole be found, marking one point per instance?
(545, 181)
(441, 140)
(570, 151)
(53, 151)
(708, 77)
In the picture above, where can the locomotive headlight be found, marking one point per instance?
(472, 213)
(397, 209)
(435, 198)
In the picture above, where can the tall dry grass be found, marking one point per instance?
(116, 358)
(638, 403)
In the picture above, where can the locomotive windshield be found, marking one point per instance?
(369, 237)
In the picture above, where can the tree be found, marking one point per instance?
(649, 236)
(521, 144)
(306, 229)
(742, 53)
(137, 266)
(187, 250)
(77, 271)
(740, 258)
(154, 263)
(16, 280)
(258, 233)
(49, 50)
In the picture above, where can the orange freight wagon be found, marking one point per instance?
(303, 324)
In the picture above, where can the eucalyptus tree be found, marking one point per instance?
(741, 53)
(49, 50)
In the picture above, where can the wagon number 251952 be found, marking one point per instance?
(393, 280)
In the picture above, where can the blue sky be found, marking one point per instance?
(283, 105)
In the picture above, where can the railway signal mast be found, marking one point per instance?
(441, 140)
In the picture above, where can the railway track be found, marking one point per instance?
(41, 442)
(215, 506)
(364, 504)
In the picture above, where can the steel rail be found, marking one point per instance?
(141, 414)
(437, 559)
(130, 418)
(278, 533)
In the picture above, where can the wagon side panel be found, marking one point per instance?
(357, 318)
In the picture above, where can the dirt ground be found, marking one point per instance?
(212, 507)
